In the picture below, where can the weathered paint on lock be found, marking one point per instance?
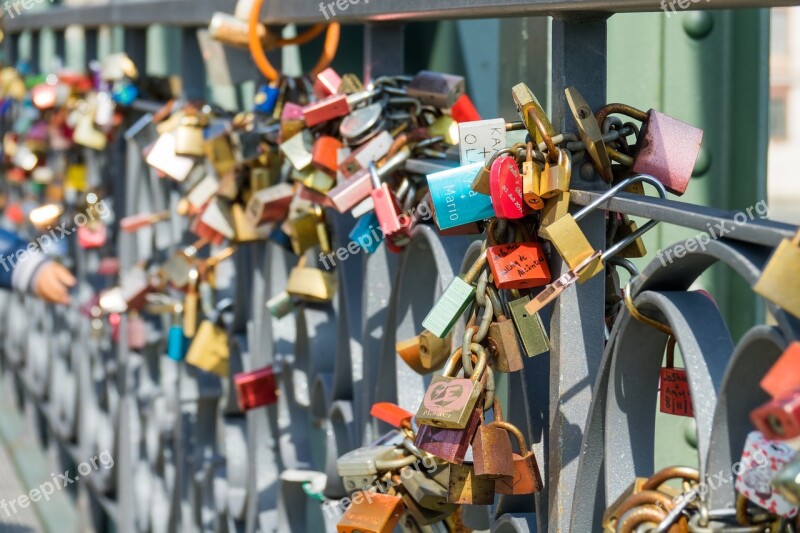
(454, 201)
(505, 186)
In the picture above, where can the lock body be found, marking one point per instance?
(449, 402)
(491, 453)
(780, 273)
(518, 265)
(425, 490)
(209, 349)
(324, 153)
(454, 201)
(466, 488)
(503, 347)
(177, 344)
(311, 284)
(327, 109)
(479, 140)
(762, 460)
(780, 418)
(371, 513)
(529, 327)
(505, 187)
(255, 389)
(448, 444)
(358, 467)
(436, 89)
(452, 304)
(527, 478)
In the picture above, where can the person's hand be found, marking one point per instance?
(52, 283)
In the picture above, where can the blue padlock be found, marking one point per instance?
(177, 344)
(266, 98)
(279, 237)
(454, 201)
(124, 93)
(367, 233)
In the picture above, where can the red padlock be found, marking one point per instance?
(779, 419)
(92, 236)
(505, 186)
(324, 154)
(328, 109)
(518, 265)
(256, 389)
(464, 110)
(392, 414)
(784, 376)
(449, 444)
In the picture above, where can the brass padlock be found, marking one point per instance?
(492, 452)
(554, 208)
(555, 178)
(502, 342)
(465, 488)
(526, 479)
(590, 133)
(209, 349)
(449, 401)
(311, 284)
(531, 181)
(779, 278)
(409, 352)
(189, 139)
(371, 512)
(433, 351)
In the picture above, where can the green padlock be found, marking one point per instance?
(454, 301)
(530, 327)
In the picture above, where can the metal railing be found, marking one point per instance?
(172, 470)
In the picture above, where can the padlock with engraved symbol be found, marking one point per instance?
(311, 284)
(778, 281)
(371, 512)
(571, 243)
(449, 400)
(454, 301)
(209, 349)
(667, 148)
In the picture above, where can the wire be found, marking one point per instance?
(260, 56)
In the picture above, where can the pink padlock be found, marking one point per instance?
(762, 459)
(92, 236)
(505, 186)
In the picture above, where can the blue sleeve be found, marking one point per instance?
(10, 243)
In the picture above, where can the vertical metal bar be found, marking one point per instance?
(193, 70)
(12, 49)
(384, 44)
(90, 42)
(577, 334)
(135, 45)
(61, 46)
(35, 60)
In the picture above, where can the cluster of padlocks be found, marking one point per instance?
(326, 169)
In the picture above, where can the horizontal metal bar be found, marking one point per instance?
(706, 219)
(198, 12)
(130, 14)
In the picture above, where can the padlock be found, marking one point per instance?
(526, 479)
(783, 376)
(362, 124)
(409, 352)
(191, 302)
(417, 518)
(387, 209)
(327, 83)
(446, 128)
(425, 490)
(529, 327)
(104, 111)
(555, 178)
(296, 150)
(334, 107)
(433, 351)
(779, 419)
(590, 133)
(453, 301)
(492, 453)
(371, 513)
(280, 305)
(517, 265)
(454, 201)
(177, 343)
(302, 230)
(450, 445)
(266, 98)
(667, 148)
(627, 227)
(359, 468)
(571, 243)
(762, 460)
(92, 236)
(256, 388)
(449, 401)
(464, 110)
(215, 223)
(86, 135)
(787, 482)
(372, 151)
(528, 107)
(502, 344)
(436, 89)
(189, 141)
(351, 191)
(367, 233)
(351, 84)
(674, 394)
(505, 187)
(311, 284)
(777, 281)
(315, 180)
(270, 204)
(134, 223)
(531, 181)
(478, 141)
(201, 194)
(554, 208)
(324, 153)
(209, 349)
(465, 488)
(392, 414)
(163, 158)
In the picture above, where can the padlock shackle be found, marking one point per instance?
(514, 430)
(476, 268)
(512, 150)
(686, 473)
(622, 109)
(552, 151)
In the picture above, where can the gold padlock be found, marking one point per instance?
(209, 349)
(555, 178)
(311, 284)
(778, 282)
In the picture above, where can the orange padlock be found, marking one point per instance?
(392, 414)
(784, 376)
(371, 512)
(324, 153)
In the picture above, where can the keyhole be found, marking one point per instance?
(583, 113)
